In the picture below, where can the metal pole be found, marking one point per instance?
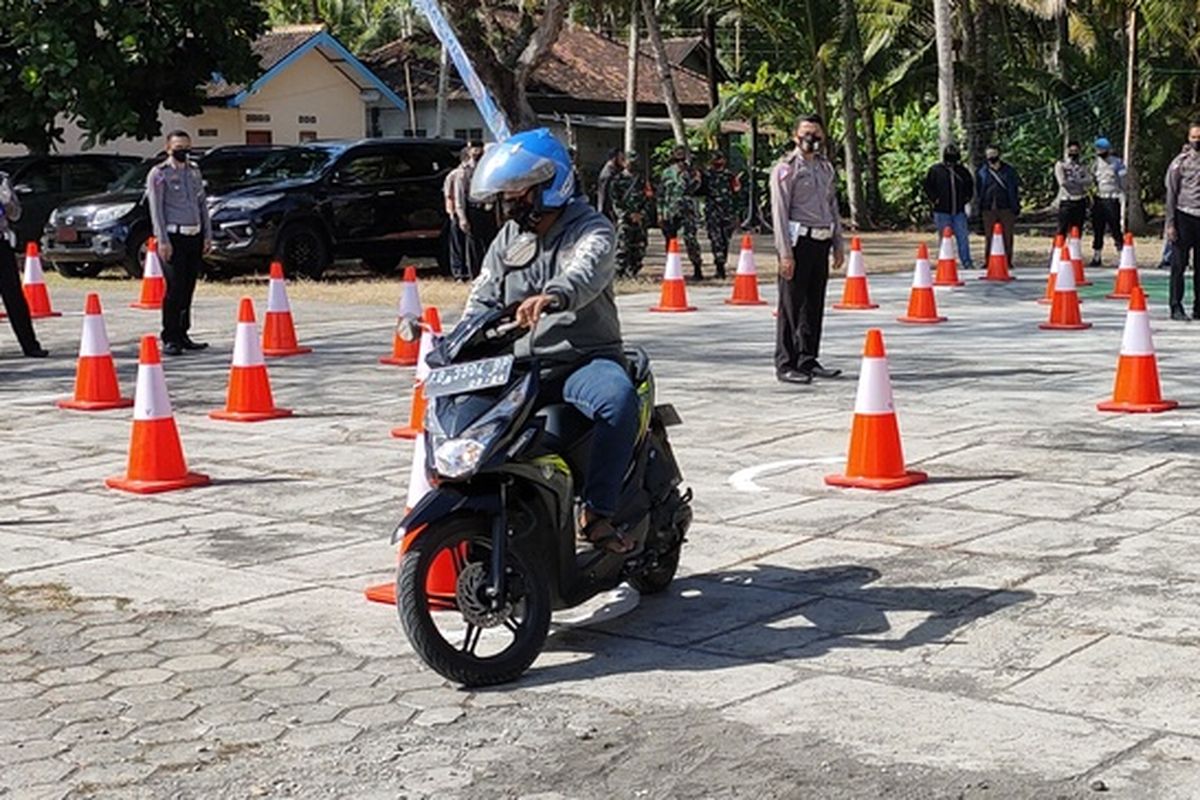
(631, 79)
(1130, 98)
(443, 92)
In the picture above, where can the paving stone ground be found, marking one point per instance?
(1024, 625)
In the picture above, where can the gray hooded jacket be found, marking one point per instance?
(576, 260)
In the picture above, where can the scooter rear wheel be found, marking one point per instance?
(447, 616)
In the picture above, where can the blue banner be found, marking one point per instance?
(493, 117)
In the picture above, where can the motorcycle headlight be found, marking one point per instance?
(107, 215)
(461, 455)
(247, 203)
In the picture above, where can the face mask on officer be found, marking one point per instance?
(993, 156)
(180, 154)
(1102, 154)
(951, 155)
(810, 143)
(1073, 155)
(1195, 143)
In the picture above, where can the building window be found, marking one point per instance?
(258, 118)
(208, 133)
(468, 134)
(307, 119)
(418, 133)
(308, 136)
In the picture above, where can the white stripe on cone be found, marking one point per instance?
(418, 480)
(1074, 248)
(1136, 341)
(33, 271)
(1055, 258)
(874, 388)
(277, 299)
(410, 301)
(922, 278)
(746, 262)
(674, 269)
(247, 348)
(150, 401)
(1065, 282)
(94, 341)
(152, 268)
(422, 353)
(946, 251)
(998, 244)
(1128, 257)
(854, 266)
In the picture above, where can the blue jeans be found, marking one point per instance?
(958, 224)
(602, 391)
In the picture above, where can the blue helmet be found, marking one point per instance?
(1103, 144)
(529, 158)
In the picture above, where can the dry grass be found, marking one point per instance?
(349, 284)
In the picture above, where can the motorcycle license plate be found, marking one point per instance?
(473, 376)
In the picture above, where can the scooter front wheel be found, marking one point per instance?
(450, 618)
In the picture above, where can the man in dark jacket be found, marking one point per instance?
(999, 200)
(949, 187)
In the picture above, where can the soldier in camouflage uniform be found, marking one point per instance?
(631, 206)
(677, 187)
(721, 187)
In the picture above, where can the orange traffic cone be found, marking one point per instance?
(1052, 278)
(416, 414)
(922, 307)
(997, 264)
(249, 396)
(1127, 272)
(404, 354)
(1064, 311)
(855, 295)
(279, 329)
(1076, 249)
(876, 459)
(745, 282)
(947, 265)
(96, 387)
(35, 285)
(154, 286)
(1137, 389)
(674, 291)
(442, 581)
(156, 462)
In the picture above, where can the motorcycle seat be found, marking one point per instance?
(564, 429)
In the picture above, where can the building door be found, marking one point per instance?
(258, 137)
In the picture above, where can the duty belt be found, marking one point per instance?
(184, 230)
(1191, 211)
(1075, 198)
(1110, 196)
(819, 234)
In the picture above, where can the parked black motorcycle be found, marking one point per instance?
(491, 550)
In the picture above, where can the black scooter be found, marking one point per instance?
(491, 550)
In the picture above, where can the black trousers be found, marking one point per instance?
(181, 273)
(1187, 250)
(14, 299)
(802, 306)
(1071, 214)
(457, 245)
(1106, 217)
(477, 242)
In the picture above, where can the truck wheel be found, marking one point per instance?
(302, 250)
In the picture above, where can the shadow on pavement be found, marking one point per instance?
(835, 608)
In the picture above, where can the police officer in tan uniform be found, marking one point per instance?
(179, 216)
(808, 227)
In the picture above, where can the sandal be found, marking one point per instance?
(601, 534)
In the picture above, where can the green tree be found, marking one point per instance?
(110, 66)
(361, 25)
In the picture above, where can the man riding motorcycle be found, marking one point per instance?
(557, 254)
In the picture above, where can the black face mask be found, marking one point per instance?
(181, 154)
(520, 210)
(1101, 154)
(951, 158)
(1195, 146)
(810, 143)
(993, 159)
(1073, 156)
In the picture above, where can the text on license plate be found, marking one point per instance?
(473, 376)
